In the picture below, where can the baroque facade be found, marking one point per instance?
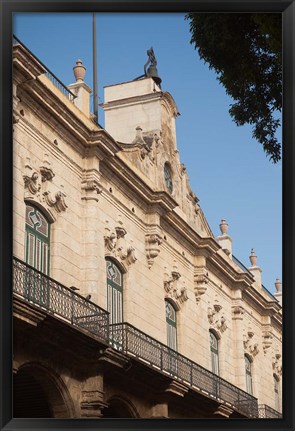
(125, 304)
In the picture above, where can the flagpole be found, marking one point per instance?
(95, 92)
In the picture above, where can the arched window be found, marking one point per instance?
(276, 391)
(248, 369)
(37, 240)
(171, 325)
(115, 292)
(214, 353)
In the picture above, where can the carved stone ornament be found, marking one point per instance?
(277, 364)
(173, 290)
(38, 187)
(152, 247)
(31, 183)
(91, 185)
(250, 344)
(216, 318)
(115, 244)
(237, 312)
(200, 281)
(58, 202)
(267, 339)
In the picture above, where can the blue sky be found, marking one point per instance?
(228, 170)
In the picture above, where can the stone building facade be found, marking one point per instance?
(125, 305)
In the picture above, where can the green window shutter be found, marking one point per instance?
(248, 370)
(171, 325)
(37, 240)
(214, 353)
(115, 292)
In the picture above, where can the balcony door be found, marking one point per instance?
(37, 240)
(248, 369)
(115, 303)
(37, 255)
(171, 338)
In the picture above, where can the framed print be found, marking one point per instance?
(147, 215)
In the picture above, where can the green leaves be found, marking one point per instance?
(245, 51)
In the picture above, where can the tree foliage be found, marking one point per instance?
(246, 52)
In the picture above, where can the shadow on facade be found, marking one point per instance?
(37, 393)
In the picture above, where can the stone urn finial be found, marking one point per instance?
(253, 258)
(79, 71)
(223, 227)
(278, 285)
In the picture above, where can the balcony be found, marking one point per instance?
(266, 412)
(64, 304)
(59, 301)
(134, 343)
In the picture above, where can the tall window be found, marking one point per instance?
(214, 353)
(37, 240)
(171, 325)
(248, 375)
(115, 292)
(276, 390)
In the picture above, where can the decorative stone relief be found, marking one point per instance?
(39, 187)
(216, 317)
(267, 339)
(200, 281)
(91, 185)
(250, 343)
(146, 142)
(58, 202)
(152, 247)
(237, 312)
(173, 289)
(277, 364)
(116, 245)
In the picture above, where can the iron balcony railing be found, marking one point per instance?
(135, 343)
(266, 412)
(59, 301)
(50, 75)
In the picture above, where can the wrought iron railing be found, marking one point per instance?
(50, 75)
(133, 342)
(266, 412)
(59, 301)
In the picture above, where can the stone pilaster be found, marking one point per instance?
(92, 397)
(238, 351)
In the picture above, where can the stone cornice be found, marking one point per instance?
(265, 307)
(79, 131)
(25, 63)
(237, 279)
(205, 245)
(124, 176)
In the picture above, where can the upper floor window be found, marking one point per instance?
(248, 369)
(115, 292)
(171, 325)
(214, 353)
(37, 240)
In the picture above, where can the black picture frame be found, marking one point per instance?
(8, 8)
